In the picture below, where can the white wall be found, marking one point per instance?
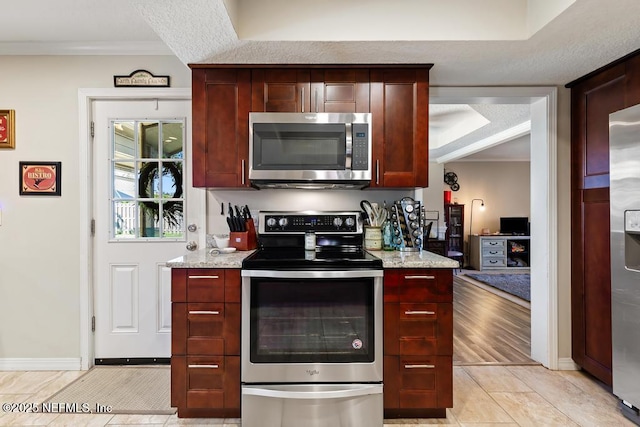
(39, 236)
(504, 187)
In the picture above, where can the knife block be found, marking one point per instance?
(244, 240)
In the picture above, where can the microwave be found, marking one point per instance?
(310, 150)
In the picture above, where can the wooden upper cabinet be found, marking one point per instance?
(292, 90)
(221, 102)
(283, 90)
(400, 114)
(592, 101)
(340, 90)
(398, 99)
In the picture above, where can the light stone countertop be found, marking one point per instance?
(421, 259)
(390, 259)
(203, 259)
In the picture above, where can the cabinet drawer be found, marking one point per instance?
(494, 262)
(426, 382)
(205, 328)
(489, 243)
(418, 382)
(210, 382)
(205, 285)
(493, 252)
(425, 329)
(415, 285)
(197, 285)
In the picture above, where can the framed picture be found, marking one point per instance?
(7, 129)
(40, 178)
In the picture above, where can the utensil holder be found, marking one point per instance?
(244, 240)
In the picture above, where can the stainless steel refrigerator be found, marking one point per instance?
(624, 167)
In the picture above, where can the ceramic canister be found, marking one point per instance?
(372, 238)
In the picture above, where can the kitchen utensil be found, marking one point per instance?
(241, 220)
(376, 215)
(233, 223)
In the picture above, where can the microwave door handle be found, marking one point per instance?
(349, 147)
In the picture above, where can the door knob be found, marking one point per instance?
(192, 246)
(192, 227)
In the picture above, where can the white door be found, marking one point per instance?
(143, 204)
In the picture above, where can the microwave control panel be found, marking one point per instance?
(360, 144)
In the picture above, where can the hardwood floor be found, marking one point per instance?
(488, 329)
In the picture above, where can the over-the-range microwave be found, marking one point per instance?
(310, 150)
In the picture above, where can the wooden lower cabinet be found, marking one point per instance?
(205, 342)
(206, 386)
(418, 343)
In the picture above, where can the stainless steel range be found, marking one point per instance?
(311, 324)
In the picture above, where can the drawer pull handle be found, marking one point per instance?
(410, 312)
(492, 261)
(495, 243)
(204, 277)
(203, 366)
(203, 312)
(419, 366)
(420, 277)
(493, 252)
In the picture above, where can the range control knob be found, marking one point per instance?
(337, 221)
(282, 222)
(271, 222)
(350, 222)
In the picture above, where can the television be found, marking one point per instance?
(514, 225)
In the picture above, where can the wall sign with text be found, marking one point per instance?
(40, 178)
(141, 78)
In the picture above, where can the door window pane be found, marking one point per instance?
(147, 175)
(172, 144)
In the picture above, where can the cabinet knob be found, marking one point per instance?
(192, 246)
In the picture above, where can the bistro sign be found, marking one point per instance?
(40, 178)
(141, 78)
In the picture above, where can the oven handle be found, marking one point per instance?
(312, 274)
(332, 394)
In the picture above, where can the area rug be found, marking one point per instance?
(126, 389)
(514, 284)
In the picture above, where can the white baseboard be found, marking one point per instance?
(567, 364)
(40, 364)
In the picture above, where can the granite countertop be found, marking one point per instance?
(421, 259)
(203, 259)
(390, 259)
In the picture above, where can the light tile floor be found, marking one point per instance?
(484, 396)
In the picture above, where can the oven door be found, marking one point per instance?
(311, 326)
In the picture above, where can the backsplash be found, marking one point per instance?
(291, 200)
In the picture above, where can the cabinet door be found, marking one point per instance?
(280, 90)
(340, 90)
(592, 100)
(400, 115)
(221, 102)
